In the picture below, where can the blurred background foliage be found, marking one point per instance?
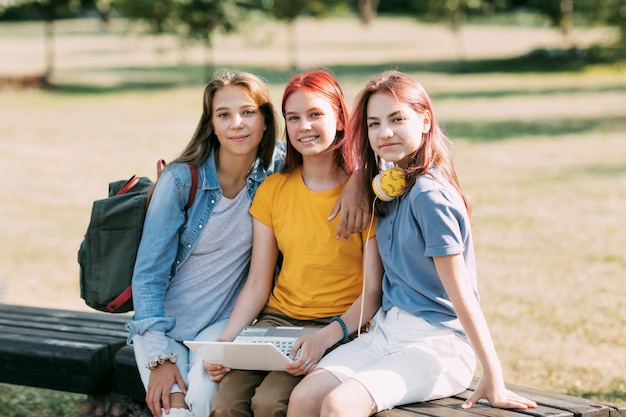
(198, 21)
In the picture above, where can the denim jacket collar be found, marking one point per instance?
(257, 174)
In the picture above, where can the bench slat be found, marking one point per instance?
(59, 349)
(74, 367)
(62, 329)
(435, 409)
(47, 336)
(579, 407)
(26, 311)
(397, 412)
(485, 410)
(126, 378)
(584, 406)
(76, 318)
(59, 321)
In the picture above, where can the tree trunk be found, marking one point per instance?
(49, 40)
(292, 45)
(367, 10)
(208, 59)
(567, 11)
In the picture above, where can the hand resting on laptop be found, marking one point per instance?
(262, 348)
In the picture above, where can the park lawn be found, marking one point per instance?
(541, 154)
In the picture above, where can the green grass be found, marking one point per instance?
(541, 153)
(27, 402)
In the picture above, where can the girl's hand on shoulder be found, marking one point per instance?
(216, 371)
(352, 207)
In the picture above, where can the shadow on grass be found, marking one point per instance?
(615, 396)
(600, 171)
(163, 77)
(485, 131)
(614, 88)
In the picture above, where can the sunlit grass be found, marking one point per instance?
(16, 401)
(543, 157)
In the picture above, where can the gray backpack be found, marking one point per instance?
(107, 254)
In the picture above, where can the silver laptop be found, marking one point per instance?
(259, 348)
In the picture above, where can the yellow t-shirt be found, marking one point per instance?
(320, 276)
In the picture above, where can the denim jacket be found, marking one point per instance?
(170, 234)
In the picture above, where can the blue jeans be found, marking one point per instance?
(200, 388)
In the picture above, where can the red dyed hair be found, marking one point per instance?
(325, 85)
(435, 148)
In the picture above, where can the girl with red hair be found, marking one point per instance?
(321, 279)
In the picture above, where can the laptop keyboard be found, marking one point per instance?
(284, 344)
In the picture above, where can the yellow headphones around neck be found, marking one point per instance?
(389, 184)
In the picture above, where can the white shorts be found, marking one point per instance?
(404, 359)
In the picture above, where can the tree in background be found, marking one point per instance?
(287, 11)
(104, 8)
(617, 17)
(190, 20)
(454, 14)
(606, 12)
(156, 15)
(367, 10)
(563, 13)
(48, 11)
(200, 19)
(559, 13)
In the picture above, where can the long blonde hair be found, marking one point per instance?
(204, 139)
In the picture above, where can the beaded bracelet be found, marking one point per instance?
(160, 360)
(346, 335)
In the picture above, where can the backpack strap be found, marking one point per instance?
(160, 166)
(194, 185)
(126, 295)
(120, 300)
(128, 185)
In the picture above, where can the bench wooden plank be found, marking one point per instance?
(434, 409)
(58, 349)
(618, 411)
(126, 378)
(574, 404)
(578, 407)
(397, 412)
(482, 409)
(549, 405)
(73, 366)
(62, 325)
(48, 332)
(69, 317)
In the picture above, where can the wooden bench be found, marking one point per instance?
(72, 351)
(65, 350)
(85, 352)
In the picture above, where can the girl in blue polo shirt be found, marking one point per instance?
(424, 340)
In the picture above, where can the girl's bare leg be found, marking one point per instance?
(348, 399)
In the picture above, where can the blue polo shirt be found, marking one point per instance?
(429, 220)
